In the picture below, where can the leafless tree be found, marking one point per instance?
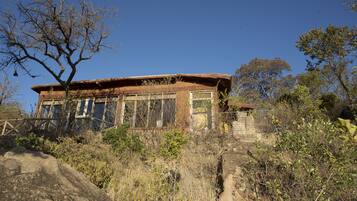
(7, 90)
(351, 4)
(53, 34)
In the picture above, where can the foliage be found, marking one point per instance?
(331, 50)
(328, 101)
(349, 112)
(122, 141)
(313, 161)
(262, 79)
(313, 80)
(301, 101)
(30, 141)
(172, 143)
(349, 128)
(329, 105)
(93, 160)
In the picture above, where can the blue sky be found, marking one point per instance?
(197, 36)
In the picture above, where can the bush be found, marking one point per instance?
(314, 161)
(93, 160)
(30, 141)
(172, 143)
(349, 112)
(121, 141)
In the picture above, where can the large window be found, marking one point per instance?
(101, 111)
(98, 113)
(149, 111)
(51, 109)
(201, 110)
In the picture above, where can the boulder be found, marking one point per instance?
(28, 175)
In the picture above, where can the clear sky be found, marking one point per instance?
(197, 36)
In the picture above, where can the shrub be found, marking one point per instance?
(328, 101)
(349, 112)
(30, 141)
(121, 141)
(93, 160)
(314, 161)
(172, 143)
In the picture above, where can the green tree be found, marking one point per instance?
(332, 51)
(262, 79)
(313, 80)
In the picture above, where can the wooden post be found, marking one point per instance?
(4, 128)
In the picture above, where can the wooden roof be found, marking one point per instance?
(224, 80)
(236, 103)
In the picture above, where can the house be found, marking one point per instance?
(188, 101)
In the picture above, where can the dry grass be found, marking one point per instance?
(190, 177)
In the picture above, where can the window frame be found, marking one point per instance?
(192, 99)
(85, 110)
(146, 97)
(85, 114)
(50, 103)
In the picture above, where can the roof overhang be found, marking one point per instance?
(224, 80)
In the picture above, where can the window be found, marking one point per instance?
(104, 112)
(141, 115)
(45, 111)
(98, 115)
(81, 105)
(169, 111)
(51, 109)
(201, 110)
(149, 111)
(57, 109)
(129, 113)
(110, 111)
(84, 108)
(155, 113)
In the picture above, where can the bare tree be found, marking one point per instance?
(352, 4)
(53, 34)
(7, 90)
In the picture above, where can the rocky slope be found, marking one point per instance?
(27, 175)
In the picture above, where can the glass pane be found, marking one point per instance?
(89, 108)
(56, 114)
(141, 113)
(98, 116)
(81, 107)
(202, 114)
(45, 111)
(169, 112)
(155, 114)
(110, 112)
(129, 113)
(200, 106)
(201, 95)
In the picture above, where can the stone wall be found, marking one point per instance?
(244, 126)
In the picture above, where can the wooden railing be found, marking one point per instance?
(14, 126)
(17, 126)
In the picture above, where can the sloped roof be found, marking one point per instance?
(236, 103)
(226, 78)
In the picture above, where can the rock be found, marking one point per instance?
(27, 175)
(227, 194)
